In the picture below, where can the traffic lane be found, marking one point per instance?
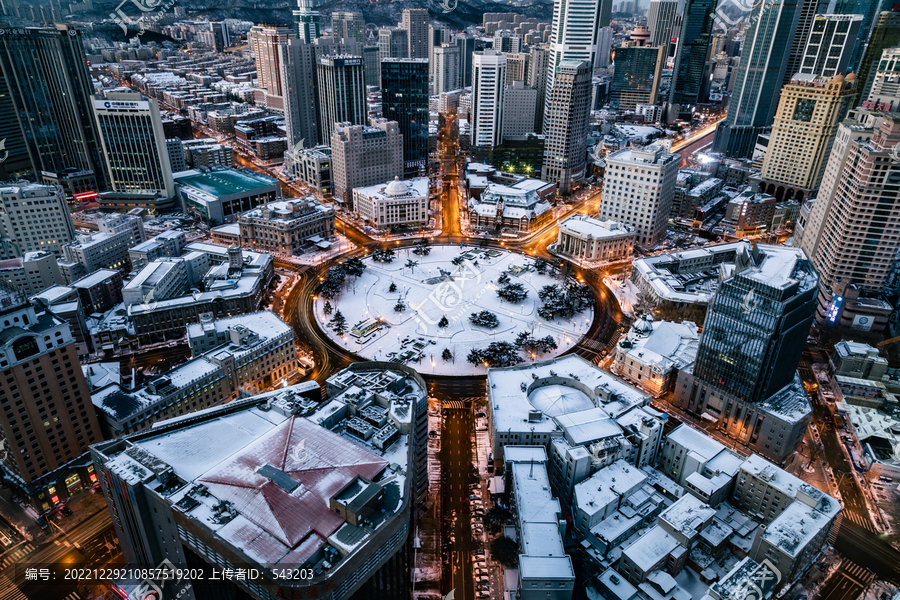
(869, 549)
(455, 465)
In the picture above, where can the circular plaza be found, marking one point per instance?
(454, 310)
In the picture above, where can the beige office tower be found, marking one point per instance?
(264, 42)
(415, 22)
(516, 67)
(809, 111)
(852, 229)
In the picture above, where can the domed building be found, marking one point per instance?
(393, 204)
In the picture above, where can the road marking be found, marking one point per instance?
(9, 591)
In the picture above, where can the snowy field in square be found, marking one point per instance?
(436, 288)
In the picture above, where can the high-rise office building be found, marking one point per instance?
(885, 34)
(342, 92)
(516, 67)
(638, 190)
(693, 48)
(404, 99)
(437, 37)
(50, 420)
(744, 378)
(307, 21)
(466, 45)
(446, 69)
(134, 147)
(809, 110)
(348, 25)
(392, 43)
(221, 35)
(415, 22)
(566, 125)
(518, 110)
(46, 73)
(265, 42)
(363, 155)
(856, 236)
(32, 218)
(299, 82)
(868, 10)
(536, 78)
(604, 48)
(661, 21)
(830, 44)
(764, 60)
(17, 162)
(636, 78)
(885, 89)
(573, 35)
(372, 62)
(489, 76)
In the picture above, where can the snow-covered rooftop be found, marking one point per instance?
(688, 515)
(793, 529)
(667, 345)
(651, 548)
(695, 441)
(587, 226)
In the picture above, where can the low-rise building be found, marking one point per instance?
(32, 273)
(314, 169)
(854, 359)
(685, 277)
(216, 197)
(99, 291)
(749, 213)
(166, 244)
(394, 204)
(545, 570)
(702, 465)
(515, 210)
(107, 249)
(256, 352)
(589, 239)
(286, 227)
(321, 499)
(653, 352)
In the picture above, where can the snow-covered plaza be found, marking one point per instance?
(452, 282)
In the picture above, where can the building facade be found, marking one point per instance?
(33, 218)
(446, 69)
(590, 239)
(286, 227)
(488, 90)
(363, 155)
(415, 22)
(398, 203)
(520, 103)
(404, 99)
(830, 45)
(693, 50)
(342, 92)
(637, 77)
(566, 124)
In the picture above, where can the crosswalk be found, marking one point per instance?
(16, 555)
(832, 537)
(9, 591)
(861, 521)
(857, 573)
(73, 596)
(461, 403)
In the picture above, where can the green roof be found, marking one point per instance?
(225, 182)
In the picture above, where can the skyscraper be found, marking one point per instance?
(50, 421)
(415, 22)
(885, 34)
(342, 92)
(372, 62)
(19, 233)
(307, 21)
(636, 78)
(489, 76)
(265, 42)
(516, 67)
(300, 82)
(363, 155)
(567, 119)
(392, 43)
(348, 25)
(404, 99)
(643, 203)
(745, 378)
(573, 35)
(809, 110)
(537, 79)
(466, 45)
(50, 88)
(764, 59)
(830, 44)
(693, 48)
(518, 110)
(661, 21)
(17, 161)
(134, 148)
(446, 69)
(859, 236)
(868, 9)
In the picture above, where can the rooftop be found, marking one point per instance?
(595, 228)
(224, 182)
(652, 547)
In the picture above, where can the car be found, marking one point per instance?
(66, 511)
(482, 594)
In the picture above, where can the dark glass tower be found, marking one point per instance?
(404, 98)
(757, 323)
(696, 33)
(50, 88)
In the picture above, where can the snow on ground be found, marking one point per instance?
(463, 290)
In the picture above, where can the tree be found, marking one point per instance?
(540, 265)
(400, 306)
(392, 288)
(354, 266)
(446, 354)
(484, 318)
(503, 279)
(327, 308)
(513, 292)
(497, 354)
(457, 261)
(422, 247)
(444, 322)
(386, 255)
(339, 323)
(506, 551)
(411, 265)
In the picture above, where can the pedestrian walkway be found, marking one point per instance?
(9, 591)
(861, 521)
(832, 537)
(16, 555)
(73, 596)
(857, 573)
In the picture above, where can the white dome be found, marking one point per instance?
(396, 188)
